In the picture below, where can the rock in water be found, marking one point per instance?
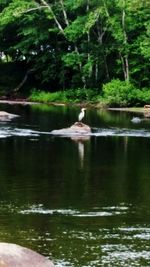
(78, 128)
(12, 255)
(147, 106)
(136, 120)
(5, 116)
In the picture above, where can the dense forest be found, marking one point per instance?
(57, 45)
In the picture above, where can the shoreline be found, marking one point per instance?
(26, 102)
(16, 101)
(130, 109)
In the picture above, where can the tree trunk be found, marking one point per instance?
(75, 46)
(96, 71)
(125, 42)
(123, 65)
(23, 81)
(101, 33)
(62, 30)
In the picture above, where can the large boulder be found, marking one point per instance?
(5, 116)
(12, 255)
(147, 106)
(147, 111)
(78, 128)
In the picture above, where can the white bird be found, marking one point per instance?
(81, 114)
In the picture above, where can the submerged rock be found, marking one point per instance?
(136, 120)
(12, 255)
(147, 114)
(5, 116)
(78, 128)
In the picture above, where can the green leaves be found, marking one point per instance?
(145, 43)
(87, 67)
(120, 93)
(72, 59)
(82, 25)
(91, 19)
(76, 29)
(78, 42)
(15, 10)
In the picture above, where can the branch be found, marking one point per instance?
(23, 80)
(64, 12)
(106, 9)
(33, 9)
(55, 19)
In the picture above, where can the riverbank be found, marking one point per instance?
(113, 94)
(131, 109)
(24, 101)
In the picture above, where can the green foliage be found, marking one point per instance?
(81, 94)
(115, 93)
(145, 42)
(72, 59)
(87, 68)
(15, 10)
(76, 95)
(80, 43)
(121, 93)
(41, 96)
(143, 96)
(91, 19)
(74, 31)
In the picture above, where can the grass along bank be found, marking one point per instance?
(113, 94)
(68, 96)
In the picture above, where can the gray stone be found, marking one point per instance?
(78, 128)
(147, 106)
(5, 116)
(12, 255)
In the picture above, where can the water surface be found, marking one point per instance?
(80, 202)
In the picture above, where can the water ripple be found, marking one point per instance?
(121, 132)
(96, 212)
(6, 131)
(126, 245)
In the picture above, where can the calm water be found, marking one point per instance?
(80, 202)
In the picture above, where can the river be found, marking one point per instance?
(81, 202)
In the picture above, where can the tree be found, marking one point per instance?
(77, 43)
